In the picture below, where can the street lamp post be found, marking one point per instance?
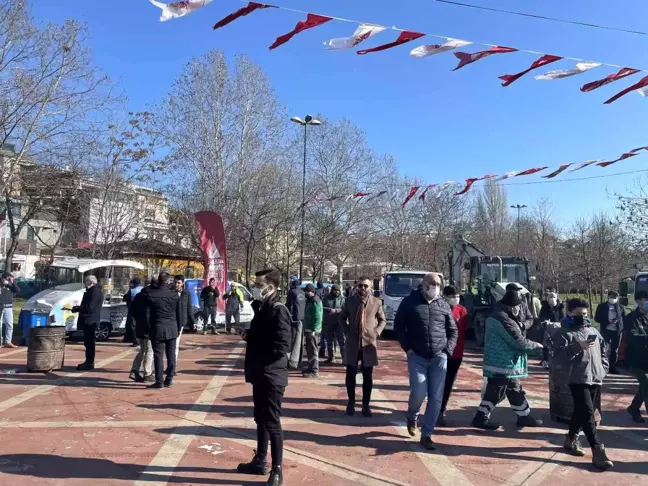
(519, 207)
(308, 120)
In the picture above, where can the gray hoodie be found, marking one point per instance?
(578, 366)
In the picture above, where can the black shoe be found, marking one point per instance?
(310, 374)
(329, 361)
(168, 383)
(145, 379)
(441, 421)
(134, 375)
(636, 414)
(85, 367)
(614, 371)
(256, 466)
(322, 353)
(276, 477)
(481, 422)
(366, 411)
(427, 443)
(529, 421)
(350, 410)
(411, 427)
(156, 386)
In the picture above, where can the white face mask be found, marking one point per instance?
(261, 294)
(431, 292)
(613, 301)
(452, 301)
(515, 310)
(553, 301)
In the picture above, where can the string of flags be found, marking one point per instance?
(463, 188)
(365, 31)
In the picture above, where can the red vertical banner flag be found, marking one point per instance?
(543, 61)
(412, 193)
(404, 37)
(643, 82)
(623, 73)
(214, 250)
(466, 58)
(241, 12)
(312, 20)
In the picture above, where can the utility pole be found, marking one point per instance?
(519, 207)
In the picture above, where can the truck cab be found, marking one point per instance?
(397, 286)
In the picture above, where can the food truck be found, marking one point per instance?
(61, 285)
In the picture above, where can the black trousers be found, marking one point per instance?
(89, 341)
(585, 399)
(451, 375)
(160, 348)
(613, 341)
(267, 415)
(497, 388)
(129, 335)
(367, 381)
(335, 333)
(210, 311)
(228, 318)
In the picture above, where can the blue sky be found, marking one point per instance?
(439, 124)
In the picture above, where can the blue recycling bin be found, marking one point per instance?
(28, 319)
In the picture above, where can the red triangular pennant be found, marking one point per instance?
(557, 171)
(623, 72)
(543, 61)
(404, 37)
(639, 149)
(530, 171)
(466, 58)
(471, 181)
(412, 193)
(312, 20)
(241, 12)
(422, 196)
(623, 157)
(643, 82)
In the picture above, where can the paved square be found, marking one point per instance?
(99, 428)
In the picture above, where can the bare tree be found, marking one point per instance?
(492, 220)
(51, 94)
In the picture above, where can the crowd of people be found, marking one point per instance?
(430, 326)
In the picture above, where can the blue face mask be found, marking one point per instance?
(645, 305)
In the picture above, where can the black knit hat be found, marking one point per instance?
(513, 286)
(511, 298)
(334, 288)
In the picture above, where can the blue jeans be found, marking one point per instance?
(6, 318)
(426, 377)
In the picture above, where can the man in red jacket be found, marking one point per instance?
(460, 315)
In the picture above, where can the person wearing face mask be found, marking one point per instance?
(333, 304)
(313, 315)
(636, 329)
(363, 320)
(526, 316)
(266, 368)
(460, 316)
(427, 332)
(505, 362)
(89, 317)
(610, 316)
(552, 310)
(579, 358)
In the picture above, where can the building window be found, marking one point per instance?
(149, 213)
(31, 233)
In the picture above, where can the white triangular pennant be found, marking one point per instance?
(178, 9)
(580, 68)
(363, 32)
(430, 50)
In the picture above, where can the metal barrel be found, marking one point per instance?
(46, 348)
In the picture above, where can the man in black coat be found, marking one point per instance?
(144, 359)
(89, 318)
(296, 303)
(209, 296)
(266, 368)
(636, 329)
(8, 289)
(610, 316)
(162, 307)
(186, 312)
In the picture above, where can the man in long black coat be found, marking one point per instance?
(163, 315)
(266, 368)
(89, 318)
